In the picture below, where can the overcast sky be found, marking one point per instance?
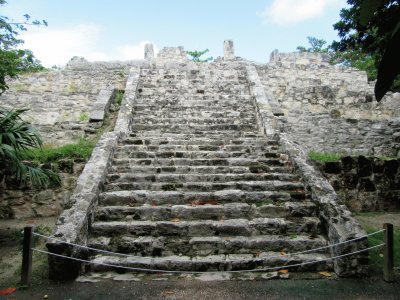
(118, 29)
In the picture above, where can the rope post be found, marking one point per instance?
(27, 255)
(388, 274)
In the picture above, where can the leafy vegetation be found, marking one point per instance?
(16, 138)
(196, 56)
(324, 157)
(14, 60)
(370, 29)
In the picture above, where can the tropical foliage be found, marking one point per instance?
(16, 138)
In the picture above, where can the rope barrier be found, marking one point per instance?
(286, 254)
(202, 272)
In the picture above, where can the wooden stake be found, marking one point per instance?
(388, 274)
(27, 256)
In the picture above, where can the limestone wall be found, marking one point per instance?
(25, 202)
(331, 108)
(60, 101)
(323, 132)
(171, 56)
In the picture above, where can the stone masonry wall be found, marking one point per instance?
(365, 183)
(60, 101)
(26, 202)
(324, 132)
(172, 55)
(331, 108)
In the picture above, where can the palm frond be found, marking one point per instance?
(16, 137)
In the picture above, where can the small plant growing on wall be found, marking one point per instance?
(84, 117)
(196, 56)
(118, 96)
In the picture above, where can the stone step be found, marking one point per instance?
(158, 198)
(223, 100)
(190, 127)
(125, 153)
(165, 88)
(193, 121)
(229, 227)
(181, 81)
(212, 177)
(192, 102)
(186, 113)
(141, 146)
(149, 170)
(184, 81)
(207, 186)
(215, 262)
(194, 110)
(208, 71)
(197, 134)
(208, 245)
(191, 139)
(255, 166)
(212, 211)
(234, 135)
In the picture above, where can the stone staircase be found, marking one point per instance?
(197, 187)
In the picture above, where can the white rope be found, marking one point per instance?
(201, 272)
(135, 256)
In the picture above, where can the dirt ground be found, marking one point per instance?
(11, 234)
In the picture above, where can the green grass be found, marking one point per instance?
(331, 157)
(375, 255)
(79, 151)
(118, 96)
(386, 157)
(324, 157)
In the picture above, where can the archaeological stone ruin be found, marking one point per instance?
(206, 167)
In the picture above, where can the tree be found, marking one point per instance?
(195, 55)
(371, 28)
(13, 60)
(317, 45)
(17, 137)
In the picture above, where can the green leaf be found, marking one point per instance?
(368, 9)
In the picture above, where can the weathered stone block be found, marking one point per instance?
(229, 51)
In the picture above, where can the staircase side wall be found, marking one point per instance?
(339, 225)
(74, 223)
